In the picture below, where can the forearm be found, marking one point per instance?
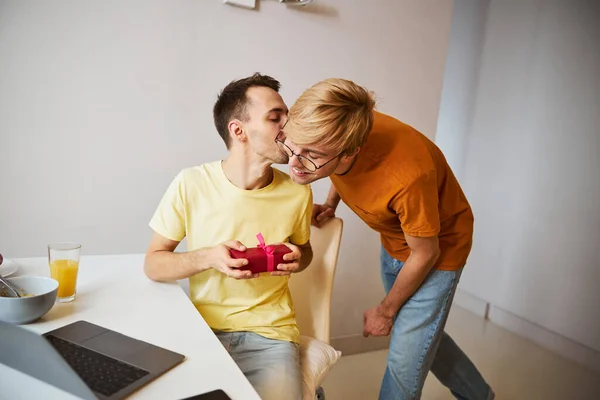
(167, 266)
(333, 198)
(409, 279)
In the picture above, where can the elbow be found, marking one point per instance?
(427, 257)
(425, 251)
(149, 269)
(309, 257)
(434, 255)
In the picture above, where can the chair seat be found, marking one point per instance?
(316, 359)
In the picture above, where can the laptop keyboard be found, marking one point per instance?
(101, 373)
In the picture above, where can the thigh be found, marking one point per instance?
(418, 328)
(225, 338)
(271, 366)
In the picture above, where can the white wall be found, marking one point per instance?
(101, 103)
(461, 76)
(531, 167)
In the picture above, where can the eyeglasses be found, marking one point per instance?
(306, 162)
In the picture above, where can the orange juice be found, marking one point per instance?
(65, 272)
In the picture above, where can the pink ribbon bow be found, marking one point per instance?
(269, 250)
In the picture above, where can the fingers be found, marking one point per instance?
(317, 210)
(280, 273)
(318, 219)
(290, 267)
(227, 260)
(236, 262)
(235, 244)
(296, 253)
(314, 221)
(325, 215)
(321, 213)
(238, 274)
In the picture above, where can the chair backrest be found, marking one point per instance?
(311, 289)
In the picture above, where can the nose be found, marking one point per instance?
(294, 161)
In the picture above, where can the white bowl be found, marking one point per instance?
(41, 293)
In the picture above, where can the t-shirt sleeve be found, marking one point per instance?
(301, 234)
(169, 218)
(417, 206)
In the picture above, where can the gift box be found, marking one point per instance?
(262, 258)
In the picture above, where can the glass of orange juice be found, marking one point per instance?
(63, 258)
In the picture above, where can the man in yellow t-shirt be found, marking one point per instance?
(220, 206)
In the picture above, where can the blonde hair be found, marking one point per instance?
(335, 113)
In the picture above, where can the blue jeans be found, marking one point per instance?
(271, 366)
(419, 343)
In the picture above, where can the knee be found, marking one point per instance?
(277, 386)
(405, 376)
(275, 371)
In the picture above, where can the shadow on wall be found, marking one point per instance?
(313, 8)
(316, 9)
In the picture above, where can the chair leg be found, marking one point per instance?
(320, 394)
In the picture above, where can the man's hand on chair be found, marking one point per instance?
(321, 214)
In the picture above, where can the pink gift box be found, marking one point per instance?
(262, 258)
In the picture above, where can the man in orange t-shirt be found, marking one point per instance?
(399, 183)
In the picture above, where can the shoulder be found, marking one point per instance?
(194, 179)
(198, 172)
(399, 150)
(385, 123)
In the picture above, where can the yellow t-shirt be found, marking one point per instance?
(203, 206)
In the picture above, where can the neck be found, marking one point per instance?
(346, 170)
(247, 170)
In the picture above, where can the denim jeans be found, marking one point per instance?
(419, 343)
(271, 366)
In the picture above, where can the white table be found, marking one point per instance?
(112, 291)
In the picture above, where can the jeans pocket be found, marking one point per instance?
(389, 265)
(396, 266)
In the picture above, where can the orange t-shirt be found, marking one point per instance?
(401, 183)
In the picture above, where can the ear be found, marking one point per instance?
(347, 162)
(237, 130)
(352, 154)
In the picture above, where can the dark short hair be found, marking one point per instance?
(232, 101)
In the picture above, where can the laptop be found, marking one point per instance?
(85, 360)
